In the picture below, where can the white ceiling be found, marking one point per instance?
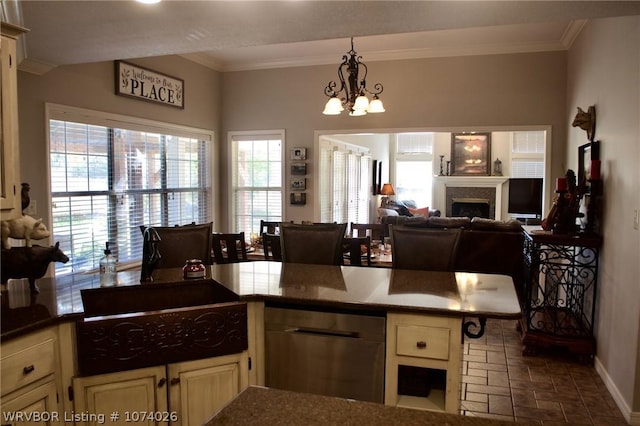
(239, 35)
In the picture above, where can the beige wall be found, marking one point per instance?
(91, 86)
(495, 90)
(604, 70)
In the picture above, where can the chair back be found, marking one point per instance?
(229, 247)
(271, 247)
(425, 249)
(181, 243)
(354, 246)
(319, 244)
(377, 231)
(269, 227)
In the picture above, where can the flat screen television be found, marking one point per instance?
(525, 196)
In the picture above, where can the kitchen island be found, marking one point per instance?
(423, 310)
(263, 406)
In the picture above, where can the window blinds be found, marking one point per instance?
(344, 192)
(107, 181)
(257, 180)
(527, 154)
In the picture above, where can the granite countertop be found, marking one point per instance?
(352, 287)
(385, 289)
(265, 406)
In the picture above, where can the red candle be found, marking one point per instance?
(561, 184)
(594, 174)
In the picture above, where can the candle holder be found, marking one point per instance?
(441, 165)
(448, 168)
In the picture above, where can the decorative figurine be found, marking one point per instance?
(497, 167)
(30, 263)
(24, 195)
(24, 227)
(564, 211)
(586, 121)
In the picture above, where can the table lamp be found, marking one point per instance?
(387, 189)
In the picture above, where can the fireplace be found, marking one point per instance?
(481, 189)
(471, 207)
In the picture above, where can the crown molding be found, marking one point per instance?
(35, 67)
(572, 31)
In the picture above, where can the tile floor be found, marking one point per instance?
(499, 382)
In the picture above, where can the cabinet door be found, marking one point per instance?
(125, 394)
(9, 163)
(198, 389)
(42, 400)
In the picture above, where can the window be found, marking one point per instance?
(257, 160)
(414, 168)
(345, 182)
(110, 174)
(527, 154)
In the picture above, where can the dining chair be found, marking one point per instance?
(229, 247)
(354, 246)
(377, 231)
(269, 227)
(426, 249)
(178, 244)
(271, 247)
(313, 244)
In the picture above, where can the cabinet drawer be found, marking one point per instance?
(423, 342)
(28, 365)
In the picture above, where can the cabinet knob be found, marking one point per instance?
(161, 382)
(175, 381)
(421, 344)
(28, 369)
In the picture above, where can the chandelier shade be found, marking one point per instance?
(353, 90)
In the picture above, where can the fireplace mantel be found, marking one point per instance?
(442, 182)
(479, 181)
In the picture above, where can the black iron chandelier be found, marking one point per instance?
(354, 99)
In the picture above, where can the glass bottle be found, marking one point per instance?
(108, 276)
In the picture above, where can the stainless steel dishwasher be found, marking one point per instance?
(326, 353)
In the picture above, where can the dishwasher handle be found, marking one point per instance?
(324, 332)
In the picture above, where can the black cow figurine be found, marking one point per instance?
(29, 262)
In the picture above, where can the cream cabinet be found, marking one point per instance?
(185, 393)
(10, 206)
(198, 389)
(423, 363)
(112, 398)
(30, 383)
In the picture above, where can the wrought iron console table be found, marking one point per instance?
(560, 292)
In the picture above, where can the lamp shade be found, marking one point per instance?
(387, 189)
(375, 106)
(362, 103)
(333, 107)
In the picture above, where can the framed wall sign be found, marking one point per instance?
(299, 154)
(298, 198)
(142, 83)
(298, 168)
(298, 184)
(470, 154)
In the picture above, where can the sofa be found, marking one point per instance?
(485, 246)
(405, 208)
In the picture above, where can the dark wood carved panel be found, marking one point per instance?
(126, 342)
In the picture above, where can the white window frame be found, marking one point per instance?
(355, 155)
(396, 157)
(99, 118)
(258, 134)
